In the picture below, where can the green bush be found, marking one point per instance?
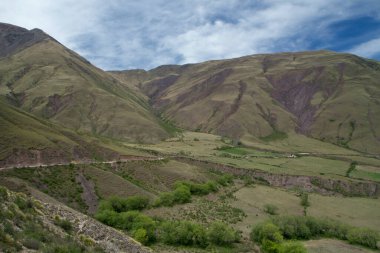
(108, 217)
(269, 236)
(305, 199)
(182, 194)
(119, 205)
(363, 236)
(125, 220)
(291, 247)
(137, 202)
(183, 233)
(147, 223)
(220, 234)
(3, 194)
(141, 236)
(266, 232)
(225, 180)
(165, 199)
(271, 209)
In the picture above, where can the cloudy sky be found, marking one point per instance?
(126, 34)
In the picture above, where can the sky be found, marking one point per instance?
(124, 34)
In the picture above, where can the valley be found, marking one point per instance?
(264, 152)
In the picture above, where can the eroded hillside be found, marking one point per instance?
(324, 95)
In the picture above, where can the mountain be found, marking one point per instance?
(46, 79)
(321, 94)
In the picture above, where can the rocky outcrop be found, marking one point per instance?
(308, 183)
(109, 239)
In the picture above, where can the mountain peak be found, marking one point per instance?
(14, 38)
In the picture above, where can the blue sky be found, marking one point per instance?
(122, 34)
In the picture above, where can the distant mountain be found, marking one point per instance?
(322, 94)
(42, 77)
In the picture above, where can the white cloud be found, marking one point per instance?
(367, 49)
(123, 34)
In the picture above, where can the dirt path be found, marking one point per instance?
(132, 158)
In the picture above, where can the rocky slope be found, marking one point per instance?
(324, 95)
(29, 225)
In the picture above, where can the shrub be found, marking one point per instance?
(220, 234)
(125, 220)
(182, 194)
(363, 236)
(3, 194)
(305, 199)
(23, 203)
(119, 205)
(293, 227)
(212, 186)
(183, 233)
(291, 247)
(108, 217)
(165, 199)
(141, 236)
(270, 209)
(266, 232)
(145, 222)
(64, 224)
(225, 180)
(137, 202)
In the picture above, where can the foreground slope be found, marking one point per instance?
(41, 76)
(28, 225)
(324, 95)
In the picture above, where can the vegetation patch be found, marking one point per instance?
(233, 150)
(184, 189)
(56, 181)
(270, 234)
(275, 136)
(351, 168)
(148, 230)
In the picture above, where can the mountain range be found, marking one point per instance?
(54, 99)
